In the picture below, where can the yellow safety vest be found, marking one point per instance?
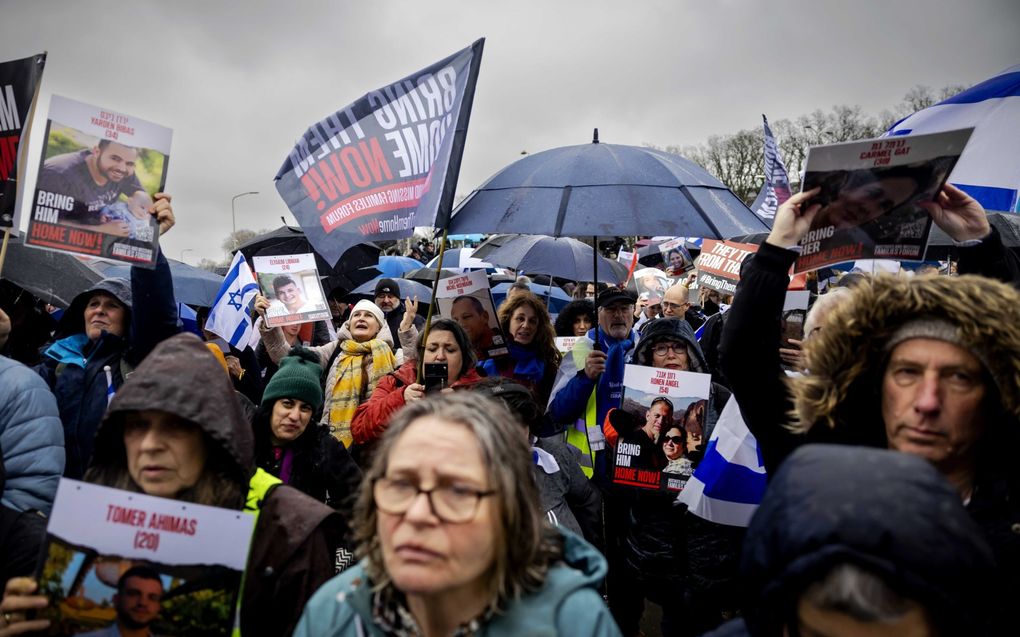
(575, 437)
(258, 489)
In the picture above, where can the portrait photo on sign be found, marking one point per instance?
(98, 174)
(675, 257)
(660, 426)
(468, 301)
(292, 285)
(653, 282)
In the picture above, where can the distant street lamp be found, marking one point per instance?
(185, 250)
(233, 215)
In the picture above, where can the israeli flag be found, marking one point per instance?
(730, 481)
(229, 317)
(989, 169)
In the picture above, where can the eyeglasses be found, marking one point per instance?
(449, 503)
(676, 348)
(674, 307)
(676, 440)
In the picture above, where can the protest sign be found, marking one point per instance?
(719, 264)
(291, 283)
(467, 300)
(97, 176)
(19, 88)
(653, 282)
(661, 427)
(795, 308)
(386, 163)
(566, 343)
(180, 564)
(675, 256)
(869, 194)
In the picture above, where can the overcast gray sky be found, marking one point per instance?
(238, 82)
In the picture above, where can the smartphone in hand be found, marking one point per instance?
(435, 375)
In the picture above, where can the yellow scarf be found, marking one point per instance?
(350, 389)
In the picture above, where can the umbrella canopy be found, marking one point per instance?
(563, 257)
(395, 266)
(605, 190)
(347, 274)
(408, 289)
(554, 296)
(54, 277)
(493, 242)
(1007, 223)
(460, 260)
(192, 285)
(428, 275)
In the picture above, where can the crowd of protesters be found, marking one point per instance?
(886, 433)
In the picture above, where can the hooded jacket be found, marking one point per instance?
(73, 365)
(887, 512)
(296, 539)
(568, 603)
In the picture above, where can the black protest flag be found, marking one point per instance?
(19, 84)
(386, 163)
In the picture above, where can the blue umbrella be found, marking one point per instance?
(563, 257)
(605, 190)
(461, 260)
(556, 297)
(393, 267)
(408, 289)
(192, 285)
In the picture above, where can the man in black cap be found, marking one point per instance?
(387, 297)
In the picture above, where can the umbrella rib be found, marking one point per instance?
(562, 212)
(706, 218)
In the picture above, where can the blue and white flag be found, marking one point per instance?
(730, 481)
(989, 169)
(230, 318)
(776, 188)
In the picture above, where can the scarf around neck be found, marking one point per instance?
(355, 381)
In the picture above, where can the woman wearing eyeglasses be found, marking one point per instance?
(452, 539)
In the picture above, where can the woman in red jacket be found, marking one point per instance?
(447, 343)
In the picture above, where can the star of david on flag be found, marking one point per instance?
(230, 317)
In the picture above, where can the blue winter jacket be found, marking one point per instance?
(73, 366)
(568, 603)
(30, 437)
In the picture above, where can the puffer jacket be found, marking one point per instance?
(567, 604)
(887, 512)
(296, 540)
(73, 365)
(31, 438)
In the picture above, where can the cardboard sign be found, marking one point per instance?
(116, 557)
(467, 300)
(661, 430)
(98, 174)
(719, 264)
(292, 285)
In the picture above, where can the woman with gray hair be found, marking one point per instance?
(475, 555)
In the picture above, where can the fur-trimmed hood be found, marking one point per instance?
(847, 358)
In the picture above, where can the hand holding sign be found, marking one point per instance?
(794, 219)
(958, 214)
(19, 600)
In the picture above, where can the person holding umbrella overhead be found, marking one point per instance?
(533, 360)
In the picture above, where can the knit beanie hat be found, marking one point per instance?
(298, 377)
(937, 329)
(365, 304)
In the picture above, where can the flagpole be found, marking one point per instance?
(432, 304)
(3, 248)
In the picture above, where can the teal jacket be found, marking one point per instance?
(568, 603)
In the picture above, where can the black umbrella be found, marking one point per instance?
(54, 277)
(349, 272)
(428, 275)
(940, 245)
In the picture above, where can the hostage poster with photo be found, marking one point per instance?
(652, 283)
(661, 427)
(675, 256)
(387, 163)
(467, 300)
(292, 285)
(719, 264)
(869, 195)
(97, 176)
(120, 559)
(19, 89)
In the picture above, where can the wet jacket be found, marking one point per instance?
(73, 365)
(296, 540)
(31, 438)
(568, 603)
(372, 416)
(837, 401)
(884, 511)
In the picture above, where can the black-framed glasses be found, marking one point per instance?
(676, 440)
(450, 503)
(662, 348)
